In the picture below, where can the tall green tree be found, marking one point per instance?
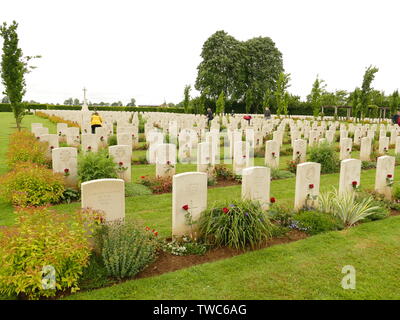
(186, 98)
(14, 67)
(394, 102)
(249, 100)
(266, 100)
(261, 65)
(366, 89)
(220, 65)
(220, 104)
(281, 96)
(315, 97)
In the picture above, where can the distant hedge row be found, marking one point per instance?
(5, 107)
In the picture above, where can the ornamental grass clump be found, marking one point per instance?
(236, 224)
(347, 207)
(45, 252)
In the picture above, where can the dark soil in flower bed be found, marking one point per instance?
(225, 183)
(167, 262)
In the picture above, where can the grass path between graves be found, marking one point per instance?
(306, 269)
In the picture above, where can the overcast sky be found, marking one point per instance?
(150, 49)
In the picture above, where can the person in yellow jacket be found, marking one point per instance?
(95, 121)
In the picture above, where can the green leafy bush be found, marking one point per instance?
(325, 155)
(126, 248)
(112, 140)
(277, 174)
(368, 165)
(96, 165)
(314, 222)
(30, 184)
(43, 238)
(235, 224)
(135, 189)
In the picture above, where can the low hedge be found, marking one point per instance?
(5, 107)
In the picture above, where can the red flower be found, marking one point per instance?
(390, 176)
(185, 207)
(168, 162)
(273, 154)
(51, 147)
(225, 210)
(66, 170)
(348, 149)
(147, 228)
(311, 186)
(272, 200)
(156, 233)
(89, 148)
(354, 183)
(38, 138)
(120, 163)
(142, 177)
(298, 152)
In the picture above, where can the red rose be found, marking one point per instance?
(348, 149)
(311, 186)
(354, 183)
(225, 210)
(142, 177)
(66, 170)
(156, 233)
(185, 207)
(147, 228)
(89, 148)
(168, 162)
(389, 176)
(273, 154)
(120, 164)
(272, 200)
(51, 147)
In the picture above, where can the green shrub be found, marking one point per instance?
(368, 165)
(112, 140)
(43, 238)
(277, 174)
(396, 192)
(235, 224)
(325, 155)
(30, 184)
(135, 189)
(70, 195)
(126, 249)
(280, 215)
(314, 222)
(96, 165)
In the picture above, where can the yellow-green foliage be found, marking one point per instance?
(45, 238)
(24, 147)
(30, 184)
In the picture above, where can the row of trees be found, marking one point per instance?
(76, 102)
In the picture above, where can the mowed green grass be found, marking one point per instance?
(306, 269)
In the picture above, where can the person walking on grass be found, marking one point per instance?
(96, 121)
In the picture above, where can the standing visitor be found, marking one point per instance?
(96, 121)
(395, 118)
(267, 114)
(210, 116)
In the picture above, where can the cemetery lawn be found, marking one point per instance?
(305, 269)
